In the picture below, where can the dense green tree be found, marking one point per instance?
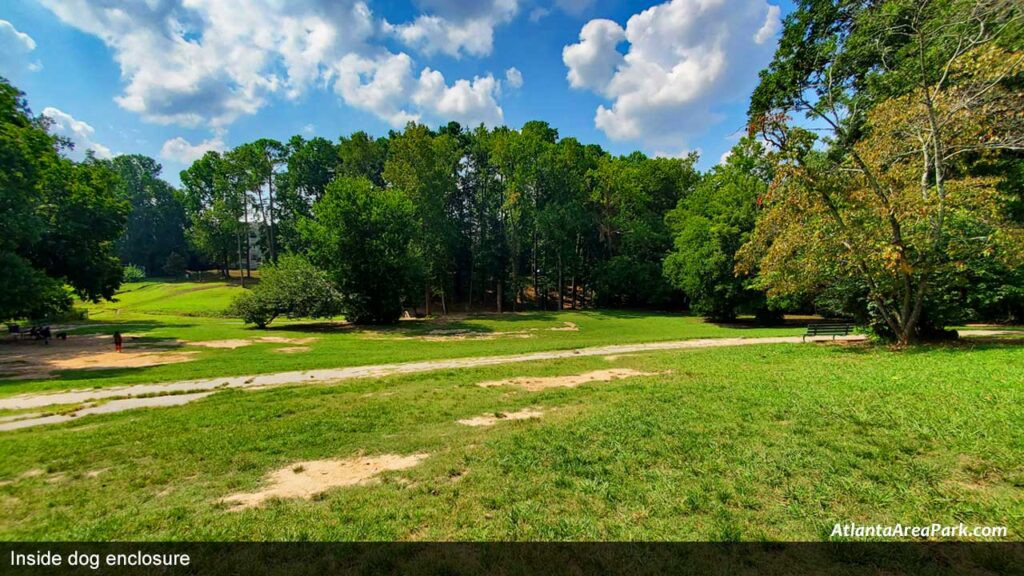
(915, 95)
(257, 164)
(363, 237)
(423, 165)
(156, 224)
(362, 156)
(710, 225)
(631, 196)
(311, 165)
(215, 202)
(59, 220)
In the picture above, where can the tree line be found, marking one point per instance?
(502, 218)
(900, 203)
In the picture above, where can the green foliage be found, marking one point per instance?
(899, 217)
(214, 202)
(631, 195)
(156, 223)
(710, 226)
(133, 273)
(293, 288)
(363, 237)
(58, 219)
(175, 265)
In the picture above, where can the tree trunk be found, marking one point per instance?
(270, 187)
(240, 277)
(426, 297)
(561, 286)
(499, 295)
(248, 242)
(536, 287)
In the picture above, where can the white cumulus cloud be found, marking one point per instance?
(208, 62)
(682, 59)
(78, 132)
(514, 78)
(468, 103)
(455, 28)
(15, 49)
(378, 84)
(593, 61)
(184, 152)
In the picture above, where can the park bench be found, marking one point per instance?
(832, 330)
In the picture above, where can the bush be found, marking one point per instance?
(133, 273)
(175, 265)
(253, 309)
(293, 288)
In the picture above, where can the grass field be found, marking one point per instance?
(775, 442)
(179, 315)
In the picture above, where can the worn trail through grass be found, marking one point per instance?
(29, 401)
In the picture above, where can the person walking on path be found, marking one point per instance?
(118, 340)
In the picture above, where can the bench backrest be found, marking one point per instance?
(829, 329)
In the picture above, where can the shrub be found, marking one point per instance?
(293, 288)
(133, 273)
(175, 265)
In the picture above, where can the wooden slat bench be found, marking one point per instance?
(832, 330)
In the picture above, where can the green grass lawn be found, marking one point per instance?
(183, 313)
(760, 442)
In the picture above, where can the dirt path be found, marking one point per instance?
(179, 393)
(39, 400)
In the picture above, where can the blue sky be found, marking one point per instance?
(173, 78)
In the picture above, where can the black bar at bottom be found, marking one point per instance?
(512, 559)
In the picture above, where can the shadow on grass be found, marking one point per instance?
(405, 328)
(961, 345)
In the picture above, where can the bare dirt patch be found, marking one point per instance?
(307, 479)
(233, 343)
(31, 360)
(566, 327)
(229, 344)
(492, 419)
(292, 349)
(121, 360)
(285, 340)
(534, 384)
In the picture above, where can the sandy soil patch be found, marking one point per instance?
(232, 343)
(284, 340)
(534, 384)
(492, 419)
(307, 479)
(292, 349)
(30, 360)
(125, 359)
(566, 327)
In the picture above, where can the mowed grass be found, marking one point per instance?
(181, 314)
(763, 442)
